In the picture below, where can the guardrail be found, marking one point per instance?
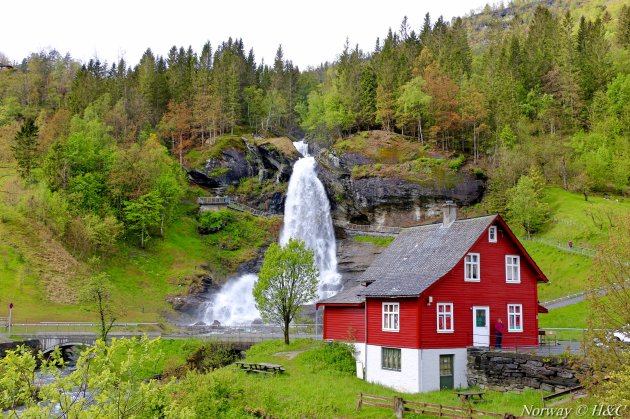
(213, 200)
(565, 298)
(368, 228)
(25, 328)
(232, 203)
(563, 246)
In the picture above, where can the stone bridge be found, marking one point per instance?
(48, 341)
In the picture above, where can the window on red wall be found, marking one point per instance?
(472, 268)
(512, 269)
(515, 317)
(445, 317)
(492, 234)
(391, 315)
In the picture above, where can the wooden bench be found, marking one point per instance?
(260, 367)
(470, 395)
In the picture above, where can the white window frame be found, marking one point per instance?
(492, 234)
(515, 311)
(391, 317)
(444, 314)
(512, 269)
(472, 263)
(391, 367)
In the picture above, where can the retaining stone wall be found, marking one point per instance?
(517, 371)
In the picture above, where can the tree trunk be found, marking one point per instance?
(286, 332)
(420, 137)
(565, 183)
(181, 151)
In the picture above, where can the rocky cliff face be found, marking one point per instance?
(267, 162)
(389, 200)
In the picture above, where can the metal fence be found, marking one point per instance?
(368, 228)
(80, 327)
(563, 246)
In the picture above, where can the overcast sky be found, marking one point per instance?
(310, 32)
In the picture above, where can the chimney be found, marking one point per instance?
(449, 213)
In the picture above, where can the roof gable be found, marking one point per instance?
(421, 255)
(541, 277)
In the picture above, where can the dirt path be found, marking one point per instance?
(293, 354)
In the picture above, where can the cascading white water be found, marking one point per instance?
(306, 217)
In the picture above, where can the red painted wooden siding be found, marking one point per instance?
(491, 291)
(406, 337)
(344, 323)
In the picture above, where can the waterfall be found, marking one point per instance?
(306, 217)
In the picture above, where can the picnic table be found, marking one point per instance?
(470, 395)
(260, 367)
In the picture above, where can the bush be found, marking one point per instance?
(456, 163)
(211, 222)
(334, 357)
(211, 355)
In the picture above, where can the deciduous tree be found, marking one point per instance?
(287, 280)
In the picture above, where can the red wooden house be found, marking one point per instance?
(435, 291)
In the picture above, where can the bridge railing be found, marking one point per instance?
(80, 327)
(213, 200)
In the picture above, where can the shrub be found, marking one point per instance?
(211, 355)
(211, 222)
(457, 162)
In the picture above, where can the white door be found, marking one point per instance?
(481, 326)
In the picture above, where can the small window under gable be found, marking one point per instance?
(492, 234)
(472, 268)
(391, 316)
(512, 269)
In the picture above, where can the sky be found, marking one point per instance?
(310, 32)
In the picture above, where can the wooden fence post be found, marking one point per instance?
(360, 401)
(399, 407)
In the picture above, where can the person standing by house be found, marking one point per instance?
(498, 330)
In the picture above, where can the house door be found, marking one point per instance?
(481, 326)
(446, 372)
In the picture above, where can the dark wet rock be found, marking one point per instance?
(389, 200)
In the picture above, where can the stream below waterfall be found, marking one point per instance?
(306, 217)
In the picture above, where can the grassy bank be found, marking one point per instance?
(567, 272)
(317, 383)
(31, 267)
(573, 316)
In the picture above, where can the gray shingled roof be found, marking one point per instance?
(420, 256)
(347, 296)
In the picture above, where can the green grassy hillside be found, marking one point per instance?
(42, 278)
(585, 223)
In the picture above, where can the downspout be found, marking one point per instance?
(420, 342)
(365, 335)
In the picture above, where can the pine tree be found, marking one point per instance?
(24, 148)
